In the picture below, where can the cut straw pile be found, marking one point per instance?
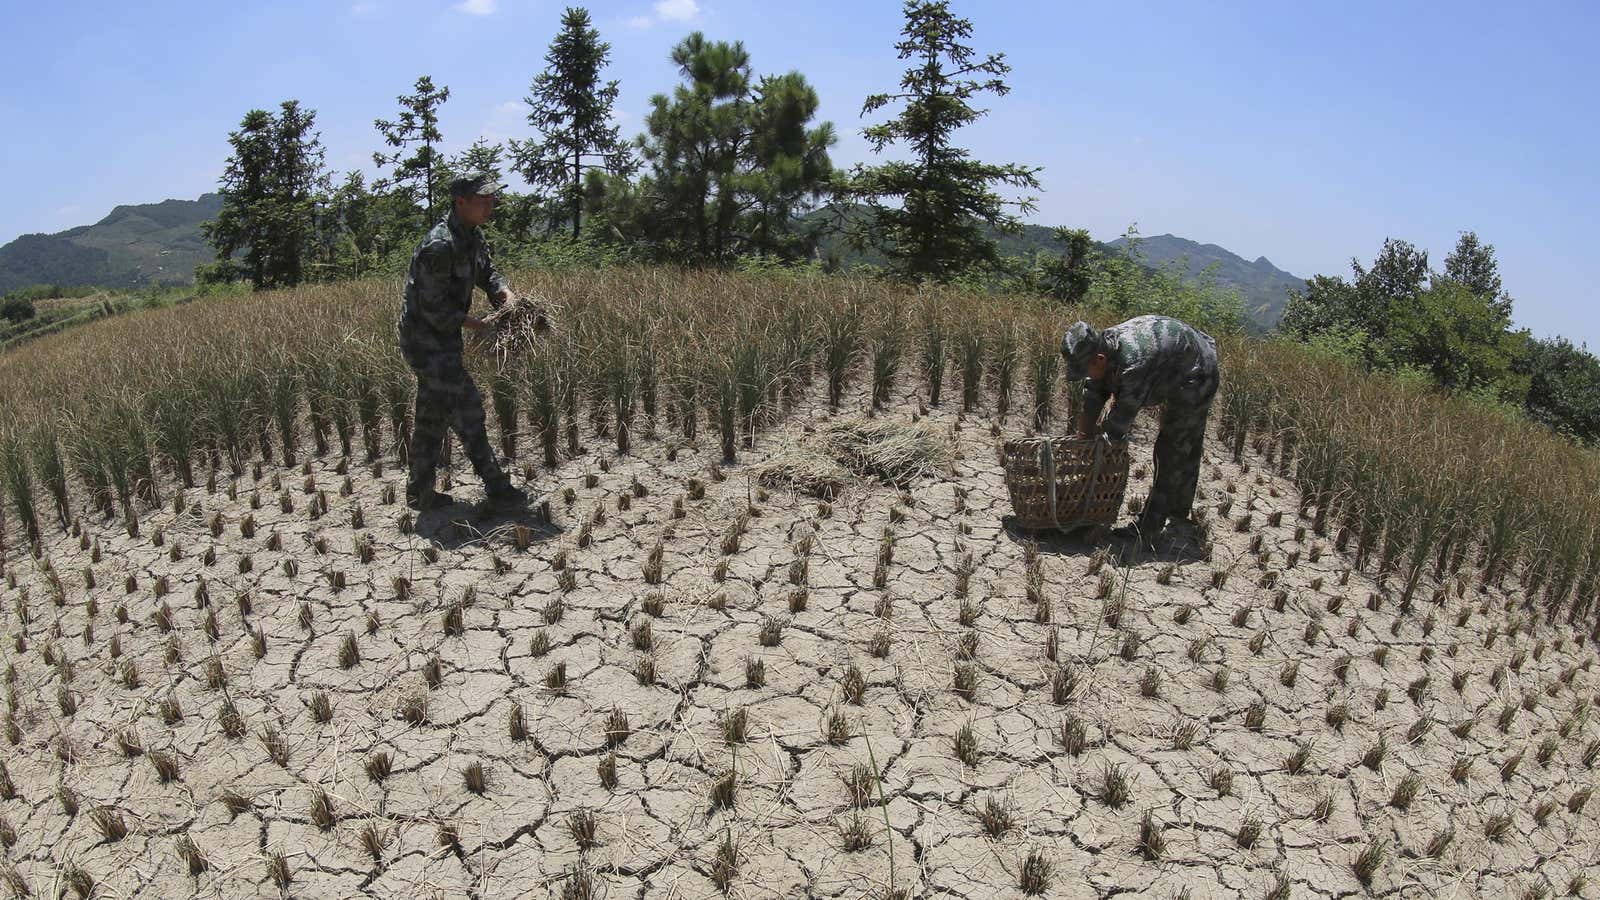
(518, 324)
(806, 471)
(894, 452)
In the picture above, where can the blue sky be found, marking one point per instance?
(1305, 133)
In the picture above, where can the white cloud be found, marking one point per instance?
(363, 8)
(506, 120)
(667, 11)
(677, 10)
(478, 7)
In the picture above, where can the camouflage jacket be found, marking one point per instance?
(451, 260)
(1152, 360)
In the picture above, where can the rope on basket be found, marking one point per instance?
(1047, 465)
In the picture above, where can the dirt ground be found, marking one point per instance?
(1268, 717)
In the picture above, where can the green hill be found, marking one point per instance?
(160, 243)
(1264, 287)
(134, 246)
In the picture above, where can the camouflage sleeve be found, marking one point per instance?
(489, 277)
(1131, 396)
(434, 266)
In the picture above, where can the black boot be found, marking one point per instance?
(505, 496)
(1142, 529)
(427, 499)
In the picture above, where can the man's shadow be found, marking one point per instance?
(1176, 544)
(461, 524)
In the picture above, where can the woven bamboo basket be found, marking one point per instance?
(1065, 482)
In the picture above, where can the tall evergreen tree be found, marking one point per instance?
(270, 189)
(929, 214)
(1397, 278)
(482, 156)
(298, 183)
(732, 159)
(571, 108)
(692, 143)
(789, 166)
(416, 174)
(1070, 275)
(244, 224)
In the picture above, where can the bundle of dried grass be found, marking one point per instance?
(895, 452)
(806, 471)
(516, 325)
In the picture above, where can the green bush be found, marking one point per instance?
(17, 309)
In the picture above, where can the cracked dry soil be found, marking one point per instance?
(531, 721)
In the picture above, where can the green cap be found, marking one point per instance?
(481, 183)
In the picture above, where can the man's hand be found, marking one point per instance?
(482, 332)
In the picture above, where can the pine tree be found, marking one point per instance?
(482, 156)
(789, 163)
(270, 189)
(244, 224)
(1070, 275)
(416, 175)
(693, 144)
(298, 184)
(571, 108)
(929, 214)
(732, 159)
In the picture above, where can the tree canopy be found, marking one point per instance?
(571, 108)
(928, 212)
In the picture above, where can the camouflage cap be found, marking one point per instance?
(1078, 346)
(481, 183)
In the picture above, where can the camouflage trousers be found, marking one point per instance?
(1177, 457)
(447, 398)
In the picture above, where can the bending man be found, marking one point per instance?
(1144, 362)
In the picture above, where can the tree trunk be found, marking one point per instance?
(577, 192)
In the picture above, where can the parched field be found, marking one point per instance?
(689, 685)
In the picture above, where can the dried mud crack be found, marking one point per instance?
(502, 709)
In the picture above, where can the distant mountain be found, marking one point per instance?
(1032, 239)
(135, 246)
(1264, 287)
(160, 243)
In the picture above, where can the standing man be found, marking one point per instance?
(1144, 362)
(450, 261)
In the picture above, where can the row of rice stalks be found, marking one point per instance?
(637, 352)
(1418, 485)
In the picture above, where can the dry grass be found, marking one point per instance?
(891, 451)
(806, 470)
